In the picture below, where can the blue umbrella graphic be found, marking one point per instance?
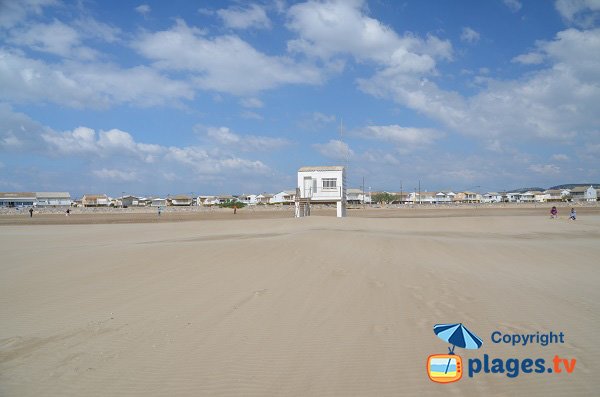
(457, 335)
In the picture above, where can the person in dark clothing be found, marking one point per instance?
(31, 212)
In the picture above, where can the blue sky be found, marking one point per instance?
(233, 97)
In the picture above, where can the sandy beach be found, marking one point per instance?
(261, 304)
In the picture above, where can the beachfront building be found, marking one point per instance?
(158, 202)
(248, 199)
(128, 201)
(284, 197)
(53, 199)
(467, 197)
(527, 197)
(321, 184)
(491, 197)
(17, 199)
(444, 197)
(513, 197)
(554, 195)
(180, 200)
(95, 200)
(583, 193)
(357, 196)
(264, 198)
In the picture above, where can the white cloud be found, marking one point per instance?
(560, 157)
(513, 5)
(553, 103)
(143, 9)
(54, 38)
(531, 58)
(253, 103)
(545, 168)
(225, 136)
(333, 28)
(334, 149)
(118, 175)
(404, 136)
(222, 63)
(80, 85)
(579, 12)
(469, 35)
(254, 16)
(13, 12)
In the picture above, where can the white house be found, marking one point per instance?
(513, 197)
(323, 184)
(158, 202)
(554, 195)
(95, 200)
(444, 197)
(180, 200)
(248, 199)
(491, 197)
(284, 197)
(129, 201)
(582, 193)
(264, 198)
(17, 199)
(527, 197)
(52, 199)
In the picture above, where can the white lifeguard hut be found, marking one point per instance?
(321, 185)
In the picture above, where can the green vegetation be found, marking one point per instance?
(232, 204)
(384, 198)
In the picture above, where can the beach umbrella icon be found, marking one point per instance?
(457, 335)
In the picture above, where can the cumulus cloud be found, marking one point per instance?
(583, 13)
(334, 28)
(253, 16)
(334, 149)
(80, 85)
(554, 103)
(13, 12)
(468, 35)
(222, 63)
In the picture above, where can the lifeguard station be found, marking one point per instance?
(321, 185)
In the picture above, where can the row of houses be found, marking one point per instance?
(577, 194)
(288, 197)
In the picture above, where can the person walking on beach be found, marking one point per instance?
(159, 210)
(553, 213)
(573, 214)
(68, 212)
(31, 212)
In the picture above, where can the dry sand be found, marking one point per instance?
(320, 306)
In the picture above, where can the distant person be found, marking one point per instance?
(573, 214)
(31, 212)
(68, 212)
(234, 209)
(159, 210)
(553, 213)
